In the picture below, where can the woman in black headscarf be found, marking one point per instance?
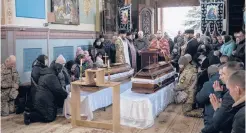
(37, 66)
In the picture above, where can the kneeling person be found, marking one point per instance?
(49, 96)
(9, 86)
(185, 89)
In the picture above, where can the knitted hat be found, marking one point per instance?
(189, 31)
(188, 57)
(79, 51)
(60, 60)
(183, 61)
(212, 69)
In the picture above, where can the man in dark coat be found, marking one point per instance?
(176, 38)
(192, 44)
(141, 43)
(223, 115)
(48, 97)
(236, 87)
(202, 97)
(239, 52)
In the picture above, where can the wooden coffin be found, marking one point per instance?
(149, 57)
(155, 70)
(118, 68)
(151, 88)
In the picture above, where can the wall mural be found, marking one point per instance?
(212, 16)
(66, 11)
(66, 51)
(87, 11)
(125, 18)
(29, 55)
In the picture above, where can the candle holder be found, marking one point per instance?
(94, 66)
(108, 71)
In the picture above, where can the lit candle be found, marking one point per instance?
(108, 64)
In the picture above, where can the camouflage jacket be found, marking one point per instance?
(9, 77)
(120, 57)
(187, 82)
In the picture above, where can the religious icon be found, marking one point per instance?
(212, 12)
(124, 17)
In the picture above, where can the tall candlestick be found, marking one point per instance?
(81, 62)
(108, 63)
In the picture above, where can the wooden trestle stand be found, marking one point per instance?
(75, 100)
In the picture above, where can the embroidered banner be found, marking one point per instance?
(125, 18)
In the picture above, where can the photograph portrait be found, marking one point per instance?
(212, 12)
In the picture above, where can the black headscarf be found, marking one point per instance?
(95, 44)
(69, 65)
(56, 67)
(41, 58)
(227, 38)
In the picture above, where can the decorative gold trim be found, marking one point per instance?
(9, 11)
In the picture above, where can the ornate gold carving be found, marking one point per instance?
(9, 11)
(87, 6)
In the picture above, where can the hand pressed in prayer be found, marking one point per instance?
(215, 101)
(217, 86)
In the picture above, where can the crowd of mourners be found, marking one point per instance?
(211, 82)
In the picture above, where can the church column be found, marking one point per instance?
(156, 16)
(98, 4)
(161, 17)
(3, 12)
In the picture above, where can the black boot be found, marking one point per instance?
(27, 119)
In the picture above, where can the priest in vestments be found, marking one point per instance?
(122, 52)
(161, 44)
(132, 51)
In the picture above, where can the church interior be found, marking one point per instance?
(108, 66)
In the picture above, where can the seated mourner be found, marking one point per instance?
(63, 76)
(202, 97)
(236, 86)
(71, 68)
(9, 86)
(223, 115)
(48, 97)
(185, 88)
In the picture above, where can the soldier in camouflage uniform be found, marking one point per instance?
(185, 90)
(9, 86)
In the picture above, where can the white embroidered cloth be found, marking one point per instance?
(91, 101)
(139, 110)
